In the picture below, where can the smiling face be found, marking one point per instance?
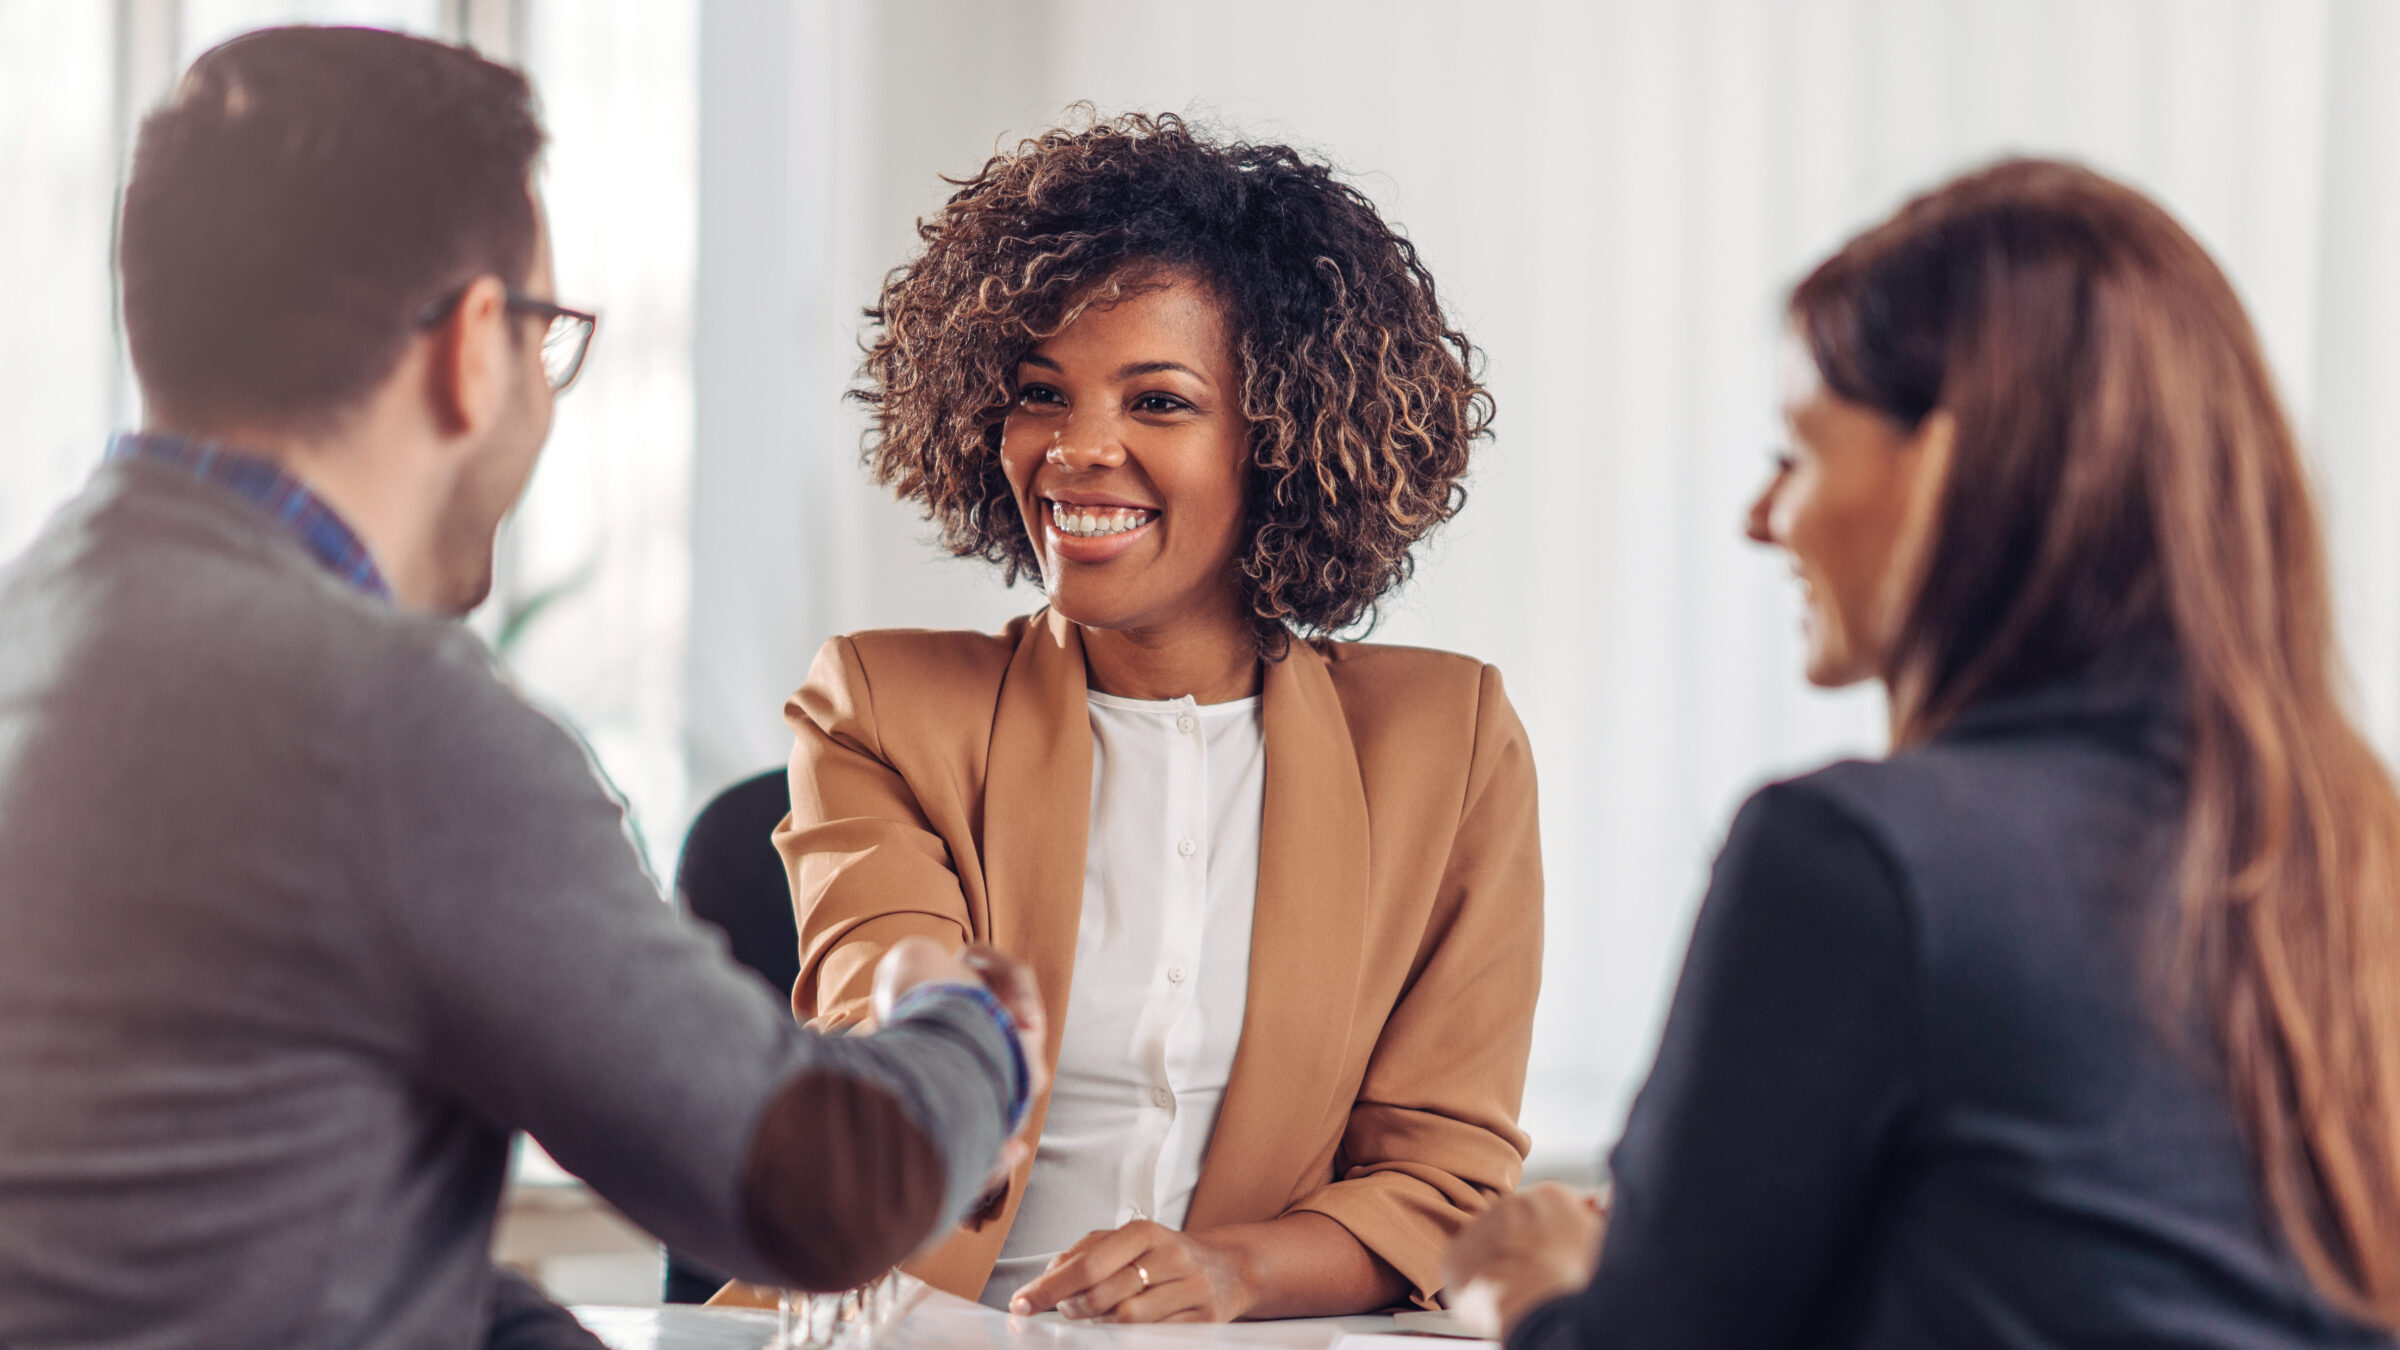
(1128, 454)
(1851, 504)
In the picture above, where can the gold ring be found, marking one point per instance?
(1145, 1278)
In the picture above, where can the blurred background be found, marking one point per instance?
(1613, 195)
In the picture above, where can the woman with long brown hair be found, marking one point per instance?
(2077, 1020)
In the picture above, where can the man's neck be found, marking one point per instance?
(356, 474)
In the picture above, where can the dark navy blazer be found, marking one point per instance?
(1924, 1082)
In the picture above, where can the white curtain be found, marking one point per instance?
(1614, 197)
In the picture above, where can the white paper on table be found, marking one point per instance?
(944, 1322)
(939, 1321)
(678, 1327)
(1434, 1324)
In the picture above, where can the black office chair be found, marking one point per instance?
(730, 877)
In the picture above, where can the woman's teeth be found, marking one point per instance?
(1088, 522)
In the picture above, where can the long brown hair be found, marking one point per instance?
(2124, 479)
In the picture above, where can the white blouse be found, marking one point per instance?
(1162, 974)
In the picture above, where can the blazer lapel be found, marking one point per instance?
(1038, 809)
(1304, 952)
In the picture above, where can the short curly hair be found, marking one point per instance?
(1363, 401)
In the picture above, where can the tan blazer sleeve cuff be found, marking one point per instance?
(1402, 1219)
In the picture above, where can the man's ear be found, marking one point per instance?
(467, 376)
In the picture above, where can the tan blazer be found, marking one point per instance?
(941, 784)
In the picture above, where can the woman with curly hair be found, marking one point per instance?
(1282, 893)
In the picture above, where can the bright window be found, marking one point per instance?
(589, 606)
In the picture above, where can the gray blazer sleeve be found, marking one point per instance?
(553, 991)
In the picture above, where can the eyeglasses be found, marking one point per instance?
(566, 337)
(566, 333)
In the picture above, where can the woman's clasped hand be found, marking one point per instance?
(1142, 1272)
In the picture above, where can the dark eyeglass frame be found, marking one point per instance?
(585, 324)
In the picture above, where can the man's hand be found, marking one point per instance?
(914, 961)
(1527, 1249)
(1143, 1272)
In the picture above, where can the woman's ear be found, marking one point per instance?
(1927, 454)
(1936, 437)
(1923, 460)
(1924, 464)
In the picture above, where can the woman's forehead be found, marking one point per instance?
(1174, 317)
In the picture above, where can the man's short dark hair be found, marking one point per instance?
(302, 198)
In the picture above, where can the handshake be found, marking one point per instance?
(920, 962)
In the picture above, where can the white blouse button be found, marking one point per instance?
(1187, 848)
(1174, 974)
(1185, 723)
(1160, 1096)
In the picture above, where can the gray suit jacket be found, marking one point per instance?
(303, 912)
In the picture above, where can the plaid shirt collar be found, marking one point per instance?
(300, 512)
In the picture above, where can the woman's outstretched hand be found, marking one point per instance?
(1142, 1272)
(1527, 1249)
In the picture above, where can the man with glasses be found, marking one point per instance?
(302, 911)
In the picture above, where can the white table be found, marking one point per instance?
(938, 1321)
